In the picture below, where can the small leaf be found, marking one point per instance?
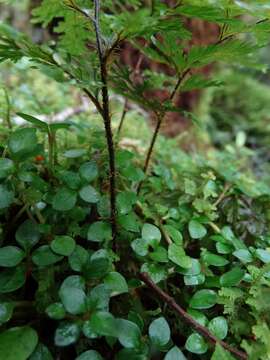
(116, 283)
(41, 124)
(263, 255)
(89, 355)
(56, 311)
(18, 343)
(88, 331)
(232, 277)
(159, 332)
(243, 255)
(41, 353)
(23, 143)
(66, 334)
(140, 247)
(151, 234)
(43, 256)
(125, 202)
(10, 256)
(72, 294)
(196, 229)
(196, 344)
(177, 255)
(221, 354)
(214, 260)
(156, 272)
(6, 197)
(175, 354)
(12, 279)
(103, 323)
(28, 234)
(203, 299)
(198, 316)
(88, 171)
(128, 333)
(6, 311)
(78, 258)
(174, 234)
(99, 231)
(63, 245)
(75, 153)
(64, 200)
(219, 327)
(89, 194)
(7, 168)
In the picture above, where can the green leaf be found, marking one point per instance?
(232, 277)
(7, 168)
(41, 353)
(66, 334)
(10, 256)
(43, 256)
(221, 354)
(98, 298)
(89, 171)
(56, 311)
(243, 255)
(6, 197)
(103, 323)
(177, 255)
(129, 222)
(156, 272)
(64, 200)
(151, 234)
(194, 269)
(263, 255)
(159, 332)
(125, 202)
(63, 245)
(6, 311)
(194, 280)
(88, 331)
(128, 333)
(198, 316)
(175, 354)
(116, 283)
(98, 265)
(99, 231)
(23, 143)
(203, 299)
(75, 153)
(213, 259)
(174, 234)
(28, 234)
(72, 295)
(41, 124)
(18, 343)
(196, 344)
(78, 259)
(219, 327)
(12, 279)
(196, 230)
(89, 355)
(140, 247)
(89, 194)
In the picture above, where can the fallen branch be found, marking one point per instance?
(188, 319)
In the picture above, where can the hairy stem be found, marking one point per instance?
(188, 319)
(106, 118)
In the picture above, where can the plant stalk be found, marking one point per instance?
(106, 118)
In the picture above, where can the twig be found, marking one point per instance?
(188, 319)
(123, 116)
(222, 195)
(106, 118)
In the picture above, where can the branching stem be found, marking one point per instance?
(188, 319)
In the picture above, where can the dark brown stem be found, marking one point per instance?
(188, 319)
(123, 116)
(106, 118)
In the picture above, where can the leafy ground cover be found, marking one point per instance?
(110, 254)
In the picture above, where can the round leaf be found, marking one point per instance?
(6, 310)
(41, 353)
(63, 245)
(66, 334)
(88, 171)
(28, 234)
(89, 355)
(72, 295)
(10, 256)
(232, 277)
(89, 194)
(116, 283)
(12, 279)
(177, 255)
(196, 229)
(219, 327)
(203, 299)
(196, 344)
(151, 234)
(129, 334)
(7, 168)
(56, 311)
(175, 354)
(99, 231)
(23, 143)
(214, 260)
(103, 323)
(17, 343)
(6, 197)
(159, 332)
(64, 200)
